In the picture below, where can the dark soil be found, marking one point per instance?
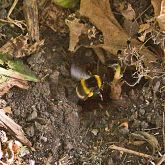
(66, 130)
(59, 128)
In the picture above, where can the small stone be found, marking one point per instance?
(142, 111)
(124, 131)
(149, 117)
(32, 116)
(30, 131)
(3, 103)
(95, 131)
(144, 125)
(43, 138)
(38, 126)
(136, 123)
(17, 112)
(32, 162)
(106, 129)
(3, 136)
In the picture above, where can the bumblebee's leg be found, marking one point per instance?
(101, 96)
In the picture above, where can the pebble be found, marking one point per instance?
(38, 126)
(149, 117)
(3, 103)
(32, 116)
(144, 125)
(95, 131)
(44, 139)
(124, 131)
(30, 131)
(141, 111)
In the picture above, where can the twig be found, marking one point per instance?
(161, 160)
(163, 133)
(11, 21)
(114, 147)
(11, 9)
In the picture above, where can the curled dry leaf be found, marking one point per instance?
(125, 9)
(161, 18)
(10, 151)
(11, 82)
(20, 46)
(159, 10)
(129, 13)
(100, 14)
(140, 137)
(156, 5)
(144, 29)
(76, 29)
(115, 38)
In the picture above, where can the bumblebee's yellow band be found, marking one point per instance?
(79, 95)
(85, 88)
(98, 79)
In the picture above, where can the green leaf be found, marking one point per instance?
(15, 68)
(19, 67)
(66, 3)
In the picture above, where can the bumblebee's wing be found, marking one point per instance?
(78, 73)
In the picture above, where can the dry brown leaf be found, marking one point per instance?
(128, 13)
(76, 29)
(16, 130)
(100, 54)
(159, 10)
(20, 46)
(139, 137)
(9, 83)
(115, 38)
(156, 5)
(144, 29)
(125, 9)
(99, 13)
(161, 17)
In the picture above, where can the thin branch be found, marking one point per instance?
(11, 9)
(114, 147)
(10, 20)
(163, 133)
(161, 160)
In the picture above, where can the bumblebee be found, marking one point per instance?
(87, 87)
(88, 84)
